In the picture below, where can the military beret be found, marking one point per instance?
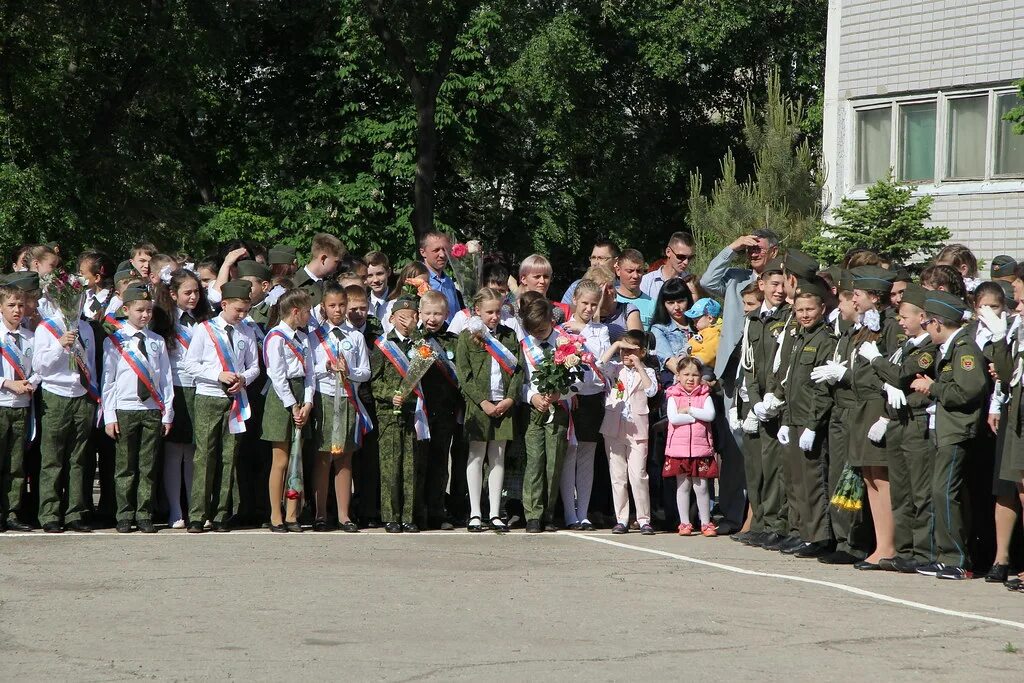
(915, 295)
(945, 305)
(872, 278)
(797, 263)
(773, 266)
(405, 304)
(236, 289)
(814, 287)
(282, 253)
(250, 268)
(26, 281)
(137, 292)
(1003, 266)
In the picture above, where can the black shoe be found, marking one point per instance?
(79, 526)
(15, 524)
(742, 536)
(816, 549)
(998, 573)
(775, 542)
(294, 527)
(53, 528)
(533, 526)
(903, 566)
(278, 528)
(575, 526)
(647, 530)
(839, 557)
(373, 523)
(866, 566)
(349, 527)
(756, 539)
(586, 526)
(498, 525)
(791, 546)
(122, 527)
(475, 528)
(725, 528)
(320, 525)
(410, 528)
(930, 569)
(195, 528)
(954, 573)
(222, 527)
(393, 528)
(620, 529)
(447, 526)
(146, 526)
(549, 527)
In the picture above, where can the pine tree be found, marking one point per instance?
(784, 193)
(889, 222)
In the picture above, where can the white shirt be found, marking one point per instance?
(706, 413)
(53, 362)
(201, 360)
(597, 340)
(651, 283)
(283, 365)
(386, 320)
(180, 377)
(114, 304)
(461, 320)
(121, 384)
(379, 304)
(529, 390)
(95, 303)
(47, 309)
(352, 347)
(9, 399)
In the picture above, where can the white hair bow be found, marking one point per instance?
(165, 275)
(274, 295)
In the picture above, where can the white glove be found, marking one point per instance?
(877, 431)
(872, 320)
(750, 424)
(806, 440)
(830, 372)
(784, 435)
(996, 324)
(734, 418)
(869, 351)
(760, 412)
(773, 403)
(896, 398)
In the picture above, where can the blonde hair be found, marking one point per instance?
(587, 286)
(433, 298)
(323, 243)
(534, 263)
(600, 275)
(486, 294)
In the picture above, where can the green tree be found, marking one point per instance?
(784, 192)
(890, 222)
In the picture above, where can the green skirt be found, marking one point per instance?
(323, 423)
(863, 452)
(184, 412)
(277, 420)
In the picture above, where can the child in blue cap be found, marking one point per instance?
(705, 316)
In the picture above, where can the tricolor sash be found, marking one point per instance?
(535, 355)
(296, 350)
(397, 358)
(14, 359)
(183, 335)
(110, 319)
(505, 359)
(363, 422)
(240, 410)
(57, 330)
(139, 366)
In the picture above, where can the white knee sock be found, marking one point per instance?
(496, 475)
(683, 487)
(703, 492)
(568, 485)
(475, 475)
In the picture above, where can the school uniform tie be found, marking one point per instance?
(15, 339)
(231, 336)
(187, 319)
(144, 392)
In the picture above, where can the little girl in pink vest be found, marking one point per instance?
(689, 451)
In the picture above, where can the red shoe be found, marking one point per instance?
(708, 530)
(685, 529)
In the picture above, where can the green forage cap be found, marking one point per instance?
(815, 287)
(901, 273)
(136, 293)
(1003, 266)
(844, 281)
(797, 263)
(945, 305)
(26, 281)
(282, 254)
(236, 289)
(405, 304)
(250, 268)
(915, 294)
(872, 278)
(774, 266)
(1007, 291)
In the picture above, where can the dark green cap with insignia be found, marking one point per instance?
(844, 281)
(773, 266)
(797, 263)
(125, 271)
(945, 305)
(1003, 266)
(236, 289)
(26, 281)
(872, 278)
(282, 253)
(136, 293)
(815, 287)
(915, 295)
(405, 304)
(250, 268)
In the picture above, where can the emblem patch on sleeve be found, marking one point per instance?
(967, 362)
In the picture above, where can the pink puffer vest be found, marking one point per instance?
(692, 440)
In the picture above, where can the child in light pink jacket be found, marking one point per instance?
(689, 451)
(629, 384)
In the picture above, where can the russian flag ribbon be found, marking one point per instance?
(139, 366)
(240, 410)
(363, 422)
(394, 354)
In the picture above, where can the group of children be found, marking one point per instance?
(219, 383)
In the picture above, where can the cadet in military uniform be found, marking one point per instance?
(399, 421)
(910, 467)
(804, 421)
(958, 391)
(138, 408)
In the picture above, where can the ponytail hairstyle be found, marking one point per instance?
(295, 297)
(687, 361)
(484, 294)
(946, 278)
(864, 334)
(165, 312)
(99, 265)
(40, 252)
(960, 257)
(587, 286)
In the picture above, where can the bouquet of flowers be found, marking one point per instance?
(337, 429)
(414, 288)
(849, 490)
(295, 484)
(561, 368)
(67, 293)
(465, 263)
(421, 358)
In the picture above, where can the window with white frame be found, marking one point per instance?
(945, 137)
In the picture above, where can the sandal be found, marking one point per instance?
(498, 524)
(474, 528)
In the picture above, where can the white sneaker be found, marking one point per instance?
(180, 524)
(207, 525)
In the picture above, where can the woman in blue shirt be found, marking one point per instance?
(671, 328)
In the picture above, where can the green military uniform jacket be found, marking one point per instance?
(861, 379)
(808, 403)
(444, 399)
(385, 380)
(960, 391)
(913, 360)
(762, 339)
(473, 365)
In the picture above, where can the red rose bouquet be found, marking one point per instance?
(465, 261)
(561, 368)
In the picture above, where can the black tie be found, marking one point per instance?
(187, 319)
(231, 336)
(144, 392)
(765, 315)
(545, 345)
(16, 339)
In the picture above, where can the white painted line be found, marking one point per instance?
(800, 579)
(176, 533)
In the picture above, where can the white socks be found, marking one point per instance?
(177, 456)
(494, 451)
(699, 487)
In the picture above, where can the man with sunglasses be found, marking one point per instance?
(679, 254)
